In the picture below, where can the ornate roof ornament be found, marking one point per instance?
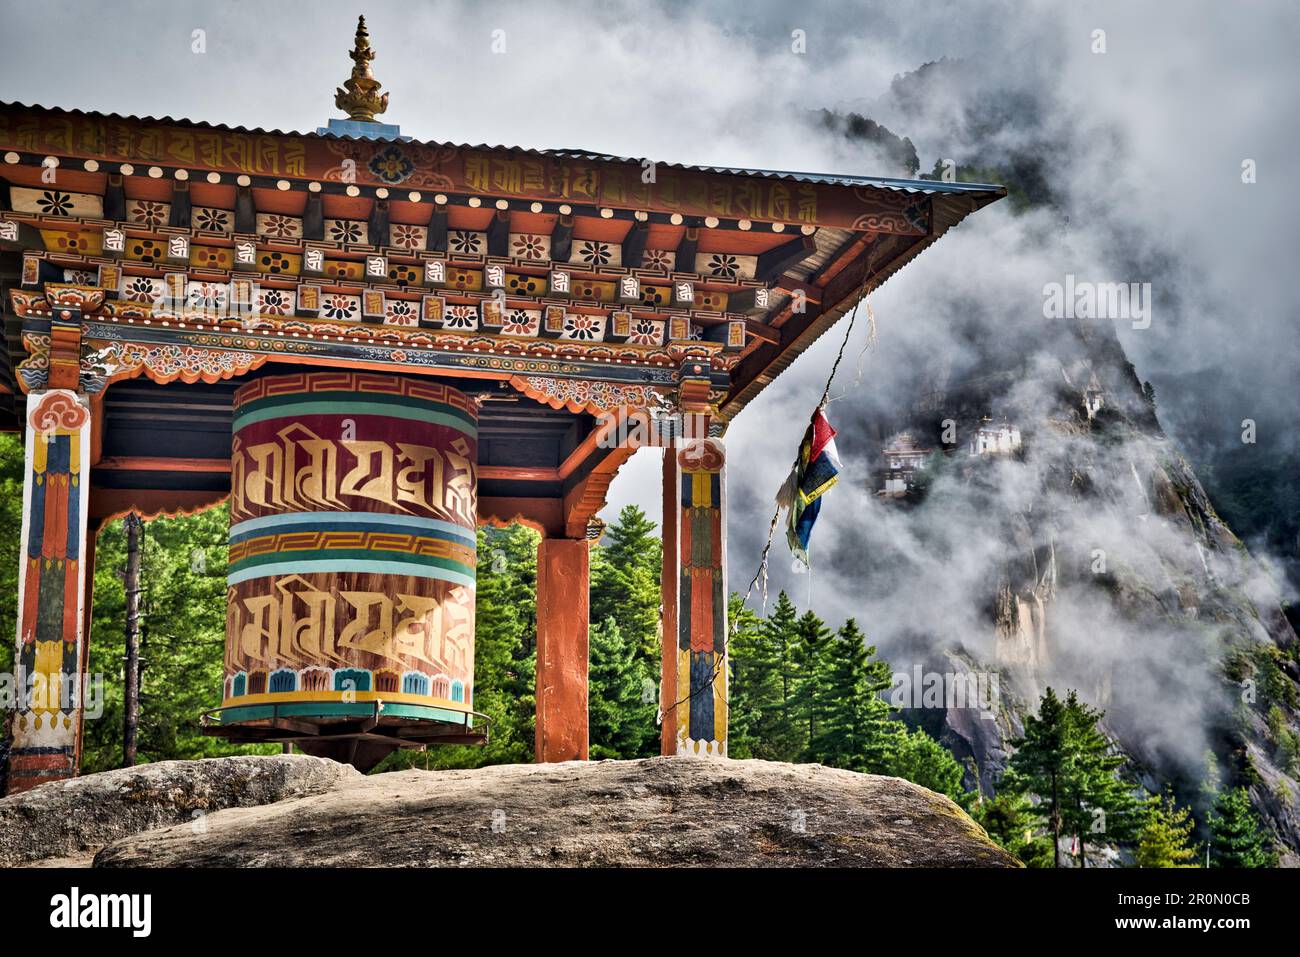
(359, 96)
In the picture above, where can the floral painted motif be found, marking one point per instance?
(344, 231)
(521, 322)
(661, 259)
(275, 302)
(392, 165)
(584, 327)
(207, 296)
(280, 227)
(647, 332)
(146, 212)
(54, 203)
(399, 312)
(407, 237)
(593, 253)
(81, 277)
(140, 289)
(464, 241)
(460, 317)
(339, 307)
(529, 246)
(211, 220)
(723, 266)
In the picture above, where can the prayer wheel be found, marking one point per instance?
(350, 608)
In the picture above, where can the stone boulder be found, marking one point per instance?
(65, 821)
(656, 812)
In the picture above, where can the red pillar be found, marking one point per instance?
(562, 621)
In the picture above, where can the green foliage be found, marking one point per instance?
(1099, 805)
(1040, 764)
(618, 708)
(1066, 762)
(1238, 837)
(625, 572)
(182, 640)
(753, 681)
(919, 758)
(855, 728)
(11, 526)
(1286, 742)
(1166, 836)
(1010, 822)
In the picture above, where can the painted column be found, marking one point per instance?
(562, 649)
(353, 513)
(693, 688)
(49, 668)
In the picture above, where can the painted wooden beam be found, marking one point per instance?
(498, 234)
(686, 249)
(115, 198)
(378, 223)
(145, 463)
(313, 218)
(634, 245)
(437, 241)
(562, 239)
(179, 214)
(776, 261)
(245, 211)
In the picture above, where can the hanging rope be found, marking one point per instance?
(761, 574)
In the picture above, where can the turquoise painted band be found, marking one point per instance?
(247, 571)
(352, 521)
(266, 409)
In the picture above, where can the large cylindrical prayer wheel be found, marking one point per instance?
(353, 511)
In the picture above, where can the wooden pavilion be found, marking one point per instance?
(378, 343)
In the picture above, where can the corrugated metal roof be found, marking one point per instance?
(922, 186)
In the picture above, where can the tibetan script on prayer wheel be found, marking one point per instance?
(352, 547)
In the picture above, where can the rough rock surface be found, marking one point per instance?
(70, 819)
(655, 812)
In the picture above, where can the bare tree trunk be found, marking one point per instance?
(131, 686)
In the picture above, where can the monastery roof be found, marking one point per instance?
(769, 259)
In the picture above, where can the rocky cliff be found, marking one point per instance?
(1107, 570)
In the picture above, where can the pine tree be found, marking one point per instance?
(753, 687)
(1166, 836)
(1238, 837)
(1040, 764)
(782, 731)
(625, 580)
(855, 730)
(625, 574)
(762, 666)
(1096, 798)
(813, 642)
(617, 713)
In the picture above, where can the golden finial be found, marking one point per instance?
(359, 96)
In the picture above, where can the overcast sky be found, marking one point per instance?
(1158, 127)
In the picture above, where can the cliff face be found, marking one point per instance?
(1110, 573)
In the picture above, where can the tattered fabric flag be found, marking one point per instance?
(816, 470)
